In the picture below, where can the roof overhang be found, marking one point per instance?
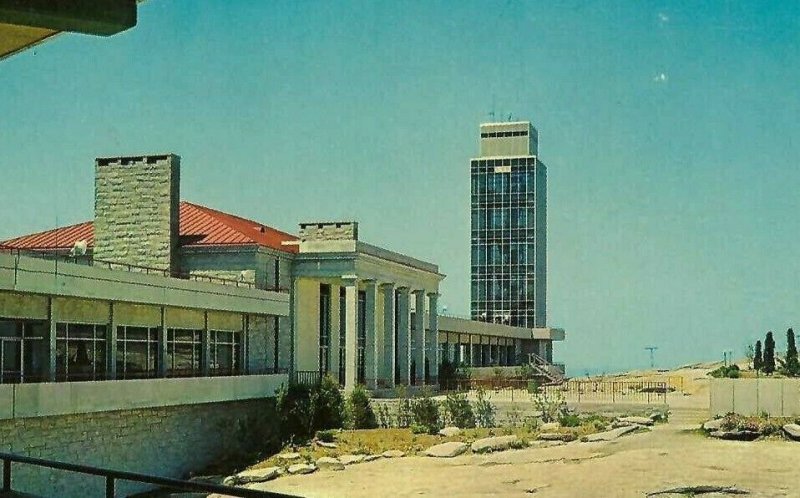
(26, 23)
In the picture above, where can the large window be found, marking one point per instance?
(224, 352)
(184, 349)
(324, 328)
(23, 351)
(80, 352)
(361, 327)
(137, 352)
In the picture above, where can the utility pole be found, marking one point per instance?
(652, 350)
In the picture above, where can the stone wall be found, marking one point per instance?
(329, 231)
(137, 209)
(168, 441)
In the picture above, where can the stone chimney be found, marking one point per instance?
(137, 210)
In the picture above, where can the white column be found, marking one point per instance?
(433, 338)
(388, 368)
(403, 336)
(371, 343)
(419, 342)
(351, 333)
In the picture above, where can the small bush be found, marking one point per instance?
(458, 411)
(419, 429)
(425, 411)
(569, 420)
(404, 415)
(327, 405)
(526, 371)
(532, 424)
(552, 406)
(325, 436)
(514, 415)
(384, 416)
(533, 387)
(359, 411)
(484, 410)
(294, 413)
(730, 372)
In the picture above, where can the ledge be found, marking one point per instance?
(70, 398)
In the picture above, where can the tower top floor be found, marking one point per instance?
(509, 139)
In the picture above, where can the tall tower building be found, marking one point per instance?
(509, 227)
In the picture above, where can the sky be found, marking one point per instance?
(669, 130)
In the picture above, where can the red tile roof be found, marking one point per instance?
(200, 226)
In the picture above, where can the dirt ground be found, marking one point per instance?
(671, 455)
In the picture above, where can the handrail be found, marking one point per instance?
(113, 475)
(115, 265)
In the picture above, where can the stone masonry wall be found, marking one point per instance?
(329, 231)
(167, 441)
(137, 208)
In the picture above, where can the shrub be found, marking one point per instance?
(514, 415)
(458, 411)
(327, 405)
(730, 372)
(552, 406)
(359, 411)
(383, 415)
(484, 410)
(533, 387)
(526, 371)
(294, 412)
(325, 436)
(303, 410)
(532, 424)
(404, 416)
(451, 376)
(425, 412)
(569, 420)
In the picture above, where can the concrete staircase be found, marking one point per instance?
(548, 372)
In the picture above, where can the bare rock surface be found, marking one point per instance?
(610, 435)
(253, 475)
(301, 468)
(351, 459)
(447, 450)
(494, 443)
(393, 454)
(450, 431)
(288, 457)
(714, 424)
(792, 431)
(636, 420)
(329, 463)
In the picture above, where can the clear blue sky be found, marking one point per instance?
(670, 130)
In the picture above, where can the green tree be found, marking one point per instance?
(758, 358)
(792, 364)
(769, 354)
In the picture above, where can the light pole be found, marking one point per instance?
(652, 350)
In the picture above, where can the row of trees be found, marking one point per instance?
(764, 358)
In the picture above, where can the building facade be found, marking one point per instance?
(509, 229)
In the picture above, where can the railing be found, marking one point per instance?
(307, 377)
(571, 390)
(113, 265)
(112, 476)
